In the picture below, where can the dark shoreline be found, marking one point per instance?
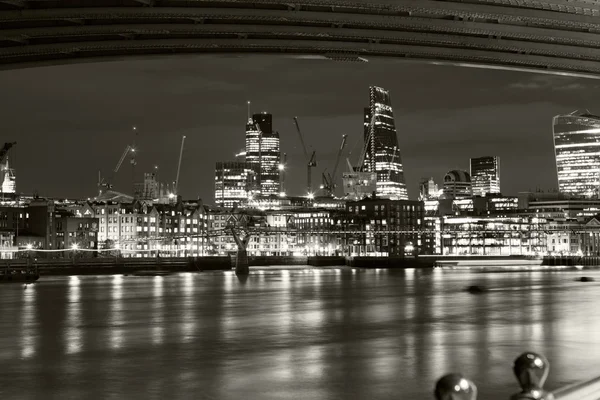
(128, 266)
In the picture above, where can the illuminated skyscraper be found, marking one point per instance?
(428, 189)
(485, 175)
(9, 181)
(234, 181)
(383, 154)
(262, 152)
(577, 151)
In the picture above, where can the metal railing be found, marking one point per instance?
(531, 370)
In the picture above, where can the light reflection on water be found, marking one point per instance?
(116, 317)
(299, 333)
(28, 325)
(73, 331)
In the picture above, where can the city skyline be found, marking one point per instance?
(68, 120)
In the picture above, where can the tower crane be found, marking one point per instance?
(4, 151)
(329, 180)
(179, 166)
(102, 184)
(311, 161)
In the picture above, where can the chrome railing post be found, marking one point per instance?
(531, 370)
(455, 387)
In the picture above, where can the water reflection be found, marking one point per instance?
(116, 318)
(158, 305)
(28, 330)
(312, 334)
(73, 332)
(188, 325)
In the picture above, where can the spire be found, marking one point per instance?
(249, 116)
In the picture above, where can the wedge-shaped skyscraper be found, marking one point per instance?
(383, 154)
(577, 150)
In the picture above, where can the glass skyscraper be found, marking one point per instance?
(383, 153)
(485, 175)
(577, 150)
(233, 183)
(263, 153)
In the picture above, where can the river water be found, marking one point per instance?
(291, 334)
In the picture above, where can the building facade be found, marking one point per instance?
(576, 146)
(234, 181)
(492, 235)
(9, 180)
(383, 227)
(75, 233)
(457, 185)
(381, 141)
(485, 175)
(428, 189)
(263, 152)
(152, 189)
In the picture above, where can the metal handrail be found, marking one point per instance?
(588, 390)
(531, 370)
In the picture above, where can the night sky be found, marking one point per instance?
(72, 120)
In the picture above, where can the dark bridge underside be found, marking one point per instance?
(547, 35)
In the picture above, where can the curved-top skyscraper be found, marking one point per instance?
(577, 150)
(383, 154)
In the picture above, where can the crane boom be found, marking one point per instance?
(312, 160)
(179, 164)
(301, 139)
(4, 151)
(127, 150)
(339, 155)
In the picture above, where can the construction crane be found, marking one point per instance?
(328, 179)
(311, 161)
(4, 151)
(179, 166)
(102, 184)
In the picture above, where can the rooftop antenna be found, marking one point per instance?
(248, 110)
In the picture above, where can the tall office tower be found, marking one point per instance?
(9, 180)
(383, 153)
(262, 152)
(233, 183)
(485, 175)
(577, 151)
(428, 189)
(457, 185)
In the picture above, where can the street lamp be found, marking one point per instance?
(29, 246)
(74, 246)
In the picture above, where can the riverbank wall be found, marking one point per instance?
(122, 265)
(126, 265)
